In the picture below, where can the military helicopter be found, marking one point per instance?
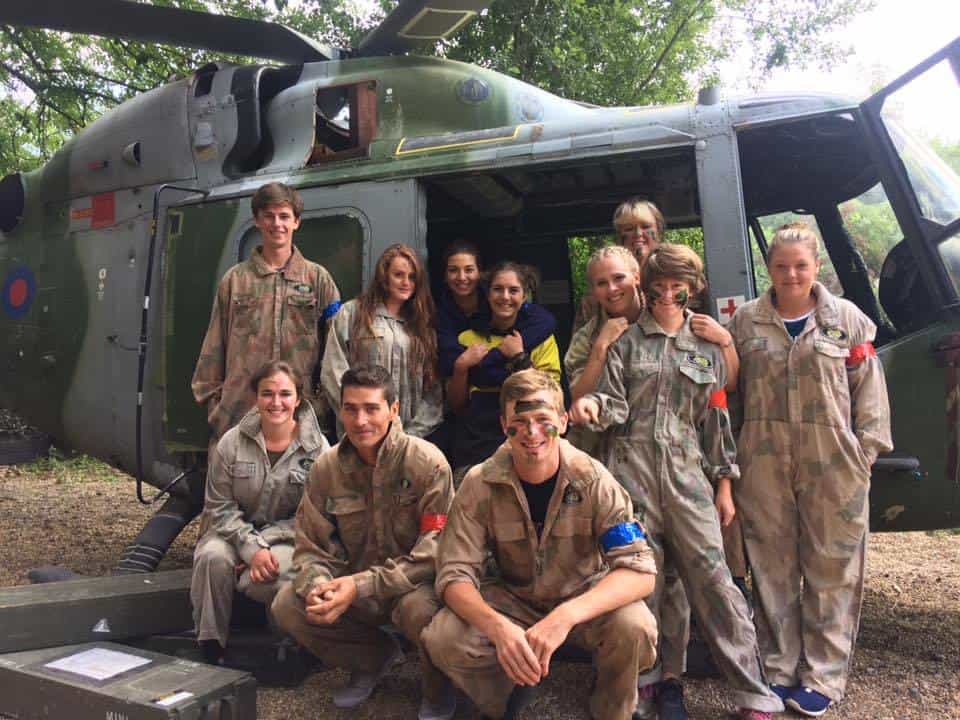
(110, 253)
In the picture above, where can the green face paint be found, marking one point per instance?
(512, 431)
(682, 298)
(550, 430)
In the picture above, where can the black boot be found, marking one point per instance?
(670, 701)
(212, 652)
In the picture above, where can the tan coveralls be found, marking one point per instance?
(262, 314)
(490, 511)
(421, 409)
(379, 524)
(665, 392)
(815, 417)
(249, 505)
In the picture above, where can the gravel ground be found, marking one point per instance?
(80, 514)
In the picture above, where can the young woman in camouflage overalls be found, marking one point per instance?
(664, 387)
(391, 324)
(815, 418)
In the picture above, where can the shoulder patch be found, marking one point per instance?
(303, 288)
(306, 463)
(834, 333)
(572, 496)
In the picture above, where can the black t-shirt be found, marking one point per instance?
(538, 498)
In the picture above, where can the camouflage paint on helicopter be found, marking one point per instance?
(481, 139)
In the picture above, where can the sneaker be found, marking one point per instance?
(782, 691)
(361, 684)
(808, 702)
(646, 702)
(751, 714)
(670, 701)
(442, 709)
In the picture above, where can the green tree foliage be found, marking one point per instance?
(611, 53)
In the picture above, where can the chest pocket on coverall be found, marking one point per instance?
(513, 551)
(643, 375)
(302, 313)
(244, 318)
(405, 518)
(350, 514)
(247, 482)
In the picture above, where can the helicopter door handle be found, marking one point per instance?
(946, 351)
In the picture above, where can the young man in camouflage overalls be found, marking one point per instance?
(272, 306)
(366, 541)
(574, 565)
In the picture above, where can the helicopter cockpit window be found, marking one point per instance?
(345, 122)
(929, 152)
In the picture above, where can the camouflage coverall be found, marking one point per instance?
(674, 608)
(421, 409)
(379, 524)
(249, 505)
(578, 546)
(262, 314)
(666, 394)
(815, 417)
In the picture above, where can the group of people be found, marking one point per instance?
(491, 554)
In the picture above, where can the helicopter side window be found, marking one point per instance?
(345, 122)
(763, 230)
(336, 241)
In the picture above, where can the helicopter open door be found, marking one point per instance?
(922, 366)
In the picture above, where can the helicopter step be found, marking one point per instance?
(105, 680)
(89, 609)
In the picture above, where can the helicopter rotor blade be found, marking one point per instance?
(167, 26)
(414, 22)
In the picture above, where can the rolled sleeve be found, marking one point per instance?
(463, 543)
(623, 542)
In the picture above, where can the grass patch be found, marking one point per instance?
(944, 533)
(66, 469)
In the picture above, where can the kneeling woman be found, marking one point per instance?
(815, 418)
(665, 387)
(254, 485)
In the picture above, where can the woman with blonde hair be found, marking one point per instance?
(663, 388)
(816, 416)
(391, 324)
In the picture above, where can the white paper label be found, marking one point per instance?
(175, 698)
(98, 663)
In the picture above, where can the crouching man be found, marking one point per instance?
(366, 541)
(574, 566)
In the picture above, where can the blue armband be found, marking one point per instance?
(330, 310)
(620, 535)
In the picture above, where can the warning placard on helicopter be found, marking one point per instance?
(727, 306)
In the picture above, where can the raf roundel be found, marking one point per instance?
(19, 289)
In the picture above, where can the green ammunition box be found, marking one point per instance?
(106, 681)
(94, 609)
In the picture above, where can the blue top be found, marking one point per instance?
(534, 322)
(795, 327)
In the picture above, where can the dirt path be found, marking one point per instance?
(80, 514)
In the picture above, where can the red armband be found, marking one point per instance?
(432, 522)
(860, 353)
(718, 400)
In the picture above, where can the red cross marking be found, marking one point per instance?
(730, 308)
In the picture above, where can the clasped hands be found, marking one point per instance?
(525, 655)
(327, 601)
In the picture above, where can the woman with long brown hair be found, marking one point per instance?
(391, 324)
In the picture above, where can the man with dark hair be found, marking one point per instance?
(574, 566)
(366, 541)
(273, 306)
